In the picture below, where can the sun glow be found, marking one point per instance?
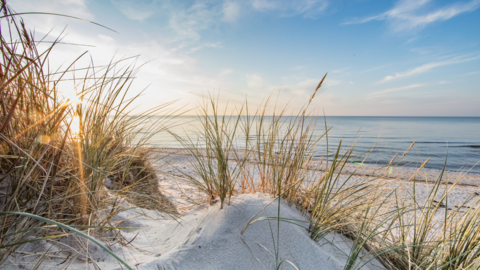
(75, 126)
(45, 139)
(72, 98)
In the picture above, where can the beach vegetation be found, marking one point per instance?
(73, 154)
(396, 226)
(65, 135)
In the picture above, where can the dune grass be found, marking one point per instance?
(396, 226)
(60, 147)
(63, 134)
(212, 148)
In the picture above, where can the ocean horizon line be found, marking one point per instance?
(378, 116)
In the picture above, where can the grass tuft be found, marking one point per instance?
(64, 134)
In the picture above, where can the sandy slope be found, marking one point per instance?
(210, 238)
(216, 241)
(206, 237)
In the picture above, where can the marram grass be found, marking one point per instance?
(58, 150)
(63, 134)
(393, 225)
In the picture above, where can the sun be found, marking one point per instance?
(75, 126)
(71, 97)
(73, 100)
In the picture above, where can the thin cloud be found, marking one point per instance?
(380, 94)
(341, 70)
(255, 81)
(411, 14)
(298, 88)
(190, 22)
(375, 68)
(426, 67)
(397, 89)
(308, 8)
(225, 72)
(298, 68)
(134, 11)
(77, 8)
(472, 73)
(231, 11)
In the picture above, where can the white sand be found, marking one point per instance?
(179, 190)
(209, 238)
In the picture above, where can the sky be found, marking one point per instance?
(383, 58)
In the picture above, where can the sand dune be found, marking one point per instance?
(206, 237)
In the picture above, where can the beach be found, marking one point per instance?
(202, 236)
(243, 153)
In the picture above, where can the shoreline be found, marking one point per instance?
(403, 174)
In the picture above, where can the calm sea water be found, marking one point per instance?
(436, 136)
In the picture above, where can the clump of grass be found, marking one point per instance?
(59, 143)
(463, 245)
(282, 151)
(213, 150)
(427, 234)
(396, 226)
(279, 150)
(333, 202)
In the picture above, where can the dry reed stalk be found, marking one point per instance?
(49, 165)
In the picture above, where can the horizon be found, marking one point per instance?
(269, 115)
(383, 58)
(206, 113)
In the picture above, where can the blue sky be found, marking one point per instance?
(401, 57)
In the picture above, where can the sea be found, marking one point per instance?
(453, 142)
